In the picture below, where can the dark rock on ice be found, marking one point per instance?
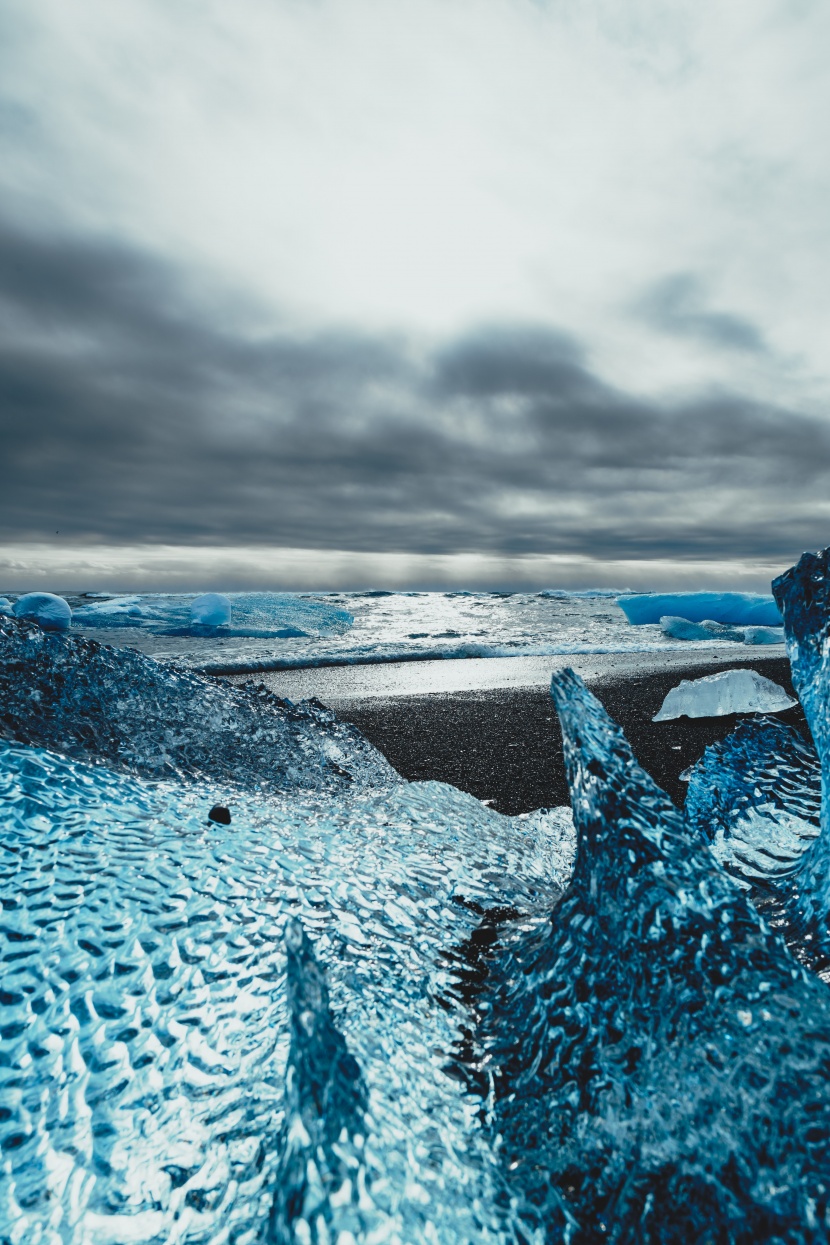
(86, 699)
(660, 1063)
(220, 815)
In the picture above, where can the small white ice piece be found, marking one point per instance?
(50, 612)
(728, 691)
(212, 609)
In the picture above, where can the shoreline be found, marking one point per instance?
(501, 742)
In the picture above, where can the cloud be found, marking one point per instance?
(135, 406)
(677, 304)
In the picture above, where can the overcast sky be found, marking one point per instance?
(340, 292)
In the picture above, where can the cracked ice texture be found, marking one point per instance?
(660, 1061)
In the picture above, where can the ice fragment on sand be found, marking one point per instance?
(50, 612)
(644, 1043)
(724, 607)
(212, 609)
(728, 691)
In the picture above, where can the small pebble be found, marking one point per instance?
(220, 814)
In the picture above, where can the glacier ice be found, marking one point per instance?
(725, 607)
(763, 635)
(659, 1063)
(49, 611)
(211, 609)
(755, 796)
(268, 615)
(727, 691)
(683, 629)
(6, 606)
(74, 695)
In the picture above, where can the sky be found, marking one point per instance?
(343, 293)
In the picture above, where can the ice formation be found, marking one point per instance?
(727, 691)
(171, 1064)
(86, 699)
(746, 608)
(6, 606)
(256, 614)
(683, 629)
(211, 609)
(50, 612)
(659, 1062)
(763, 635)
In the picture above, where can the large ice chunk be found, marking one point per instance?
(211, 609)
(86, 699)
(727, 691)
(49, 611)
(659, 1061)
(723, 607)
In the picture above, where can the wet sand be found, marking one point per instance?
(502, 742)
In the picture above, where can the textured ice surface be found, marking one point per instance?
(803, 595)
(724, 607)
(660, 1065)
(47, 610)
(728, 691)
(254, 614)
(211, 609)
(756, 798)
(683, 629)
(146, 1085)
(77, 696)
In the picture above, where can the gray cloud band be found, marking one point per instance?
(133, 410)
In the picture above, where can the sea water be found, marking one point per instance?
(281, 631)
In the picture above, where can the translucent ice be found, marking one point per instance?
(659, 1062)
(168, 1075)
(86, 699)
(683, 629)
(764, 635)
(50, 612)
(256, 614)
(211, 609)
(6, 606)
(724, 607)
(728, 691)
(756, 797)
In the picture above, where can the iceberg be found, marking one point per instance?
(212, 609)
(727, 691)
(683, 629)
(642, 1044)
(269, 615)
(49, 611)
(764, 635)
(6, 606)
(747, 608)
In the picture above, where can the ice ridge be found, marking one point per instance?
(320, 1185)
(660, 1062)
(86, 699)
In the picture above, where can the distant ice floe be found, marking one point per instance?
(747, 608)
(212, 609)
(265, 615)
(728, 691)
(684, 629)
(49, 611)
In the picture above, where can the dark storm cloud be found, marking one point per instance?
(138, 408)
(677, 305)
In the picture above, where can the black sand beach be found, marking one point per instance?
(502, 744)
